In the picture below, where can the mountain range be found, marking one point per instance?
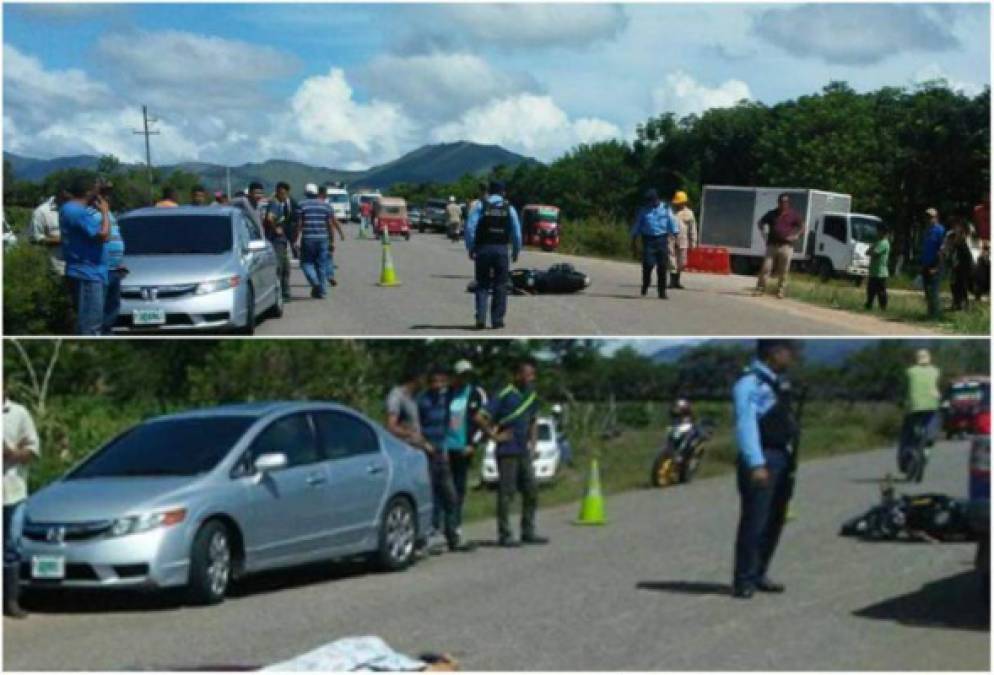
(439, 163)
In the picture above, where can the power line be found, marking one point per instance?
(146, 132)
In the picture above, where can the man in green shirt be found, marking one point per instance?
(876, 286)
(922, 399)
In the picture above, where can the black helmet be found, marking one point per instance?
(681, 408)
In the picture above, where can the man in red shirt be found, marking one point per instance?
(783, 227)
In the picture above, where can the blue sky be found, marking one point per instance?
(355, 85)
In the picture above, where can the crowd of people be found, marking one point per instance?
(447, 415)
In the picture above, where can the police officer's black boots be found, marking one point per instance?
(663, 283)
(675, 280)
(11, 591)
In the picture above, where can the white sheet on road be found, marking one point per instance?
(368, 653)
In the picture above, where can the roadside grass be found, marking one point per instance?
(902, 306)
(830, 429)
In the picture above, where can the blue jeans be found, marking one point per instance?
(313, 262)
(329, 263)
(88, 298)
(655, 254)
(445, 503)
(764, 510)
(112, 300)
(492, 273)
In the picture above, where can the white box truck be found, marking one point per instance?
(835, 241)
(338, 199)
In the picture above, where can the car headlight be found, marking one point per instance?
(146, 522)
(216, 285)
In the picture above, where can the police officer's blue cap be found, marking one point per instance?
(496, 187)
(651, 195)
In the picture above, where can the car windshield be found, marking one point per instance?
(173, 447)
(392, 210)
(338, 199)
(176, 235)
(864, 230)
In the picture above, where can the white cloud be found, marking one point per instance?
(515, 25)
(108, 132)
(437, 86)
(181, 70)
(683, 95)
(526, 123)
(34, 94)
(857, 33)
(326, 125)
(933, 72)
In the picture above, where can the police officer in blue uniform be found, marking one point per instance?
(511, 421)
(655, 224)
(766, 429)
(491, 228)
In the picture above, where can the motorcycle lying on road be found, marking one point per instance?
(682, 454)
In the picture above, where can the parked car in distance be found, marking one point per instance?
(9, 238)
(963, 400)
(980, 492)
(341, 205)
(546, 460)
(196, 268)
(433, 216)
(414, 216)
(391, 213)
(199, 498)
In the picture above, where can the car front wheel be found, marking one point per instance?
(210, 564)
(398, 534)
(249, 327)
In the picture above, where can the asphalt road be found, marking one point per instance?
(433, 300)
(646, 592)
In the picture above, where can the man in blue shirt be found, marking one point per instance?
(116, 271)
(766, 433)
(314, 218)
(931, 258)
(433, 416)
(511, 420)
(655, 224)
(492, 226)
(84, 231)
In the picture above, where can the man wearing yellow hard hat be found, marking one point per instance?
(685, 240)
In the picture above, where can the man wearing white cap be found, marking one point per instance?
(466, 402)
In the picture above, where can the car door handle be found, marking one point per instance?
(316, 479)
(374, 469)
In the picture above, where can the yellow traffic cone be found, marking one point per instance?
(592, 506)
(388, 275)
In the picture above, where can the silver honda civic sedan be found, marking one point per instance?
(199, 498)
(196, 268)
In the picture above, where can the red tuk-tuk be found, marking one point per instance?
(541, 226)
(391, 213)
(965, 398)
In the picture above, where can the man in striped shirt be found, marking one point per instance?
(314, 219)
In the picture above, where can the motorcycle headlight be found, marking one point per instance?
(216, 285)
(146, 521)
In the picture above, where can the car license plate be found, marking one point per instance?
(148, 317)
(48, 567)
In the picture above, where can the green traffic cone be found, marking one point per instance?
(592, 506)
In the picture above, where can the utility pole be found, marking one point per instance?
(148, 150)
(227, 175)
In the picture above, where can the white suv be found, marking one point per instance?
(546, 460)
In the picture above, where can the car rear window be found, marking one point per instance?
(392, 210)
(176, 235)
(172, 447)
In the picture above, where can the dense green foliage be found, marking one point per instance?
(897, 151)
(97, 388)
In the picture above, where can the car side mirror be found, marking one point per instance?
(256, 246)
(268, 462)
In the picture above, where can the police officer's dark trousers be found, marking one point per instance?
(492, 270)
(516, 474)
(444, 517)
(11, 565)
(655, 254)
(764, 511)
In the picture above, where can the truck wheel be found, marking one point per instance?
(825, 269)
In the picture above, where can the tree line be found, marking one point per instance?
(896, 150)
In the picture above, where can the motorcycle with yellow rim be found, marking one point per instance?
(681, 456)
